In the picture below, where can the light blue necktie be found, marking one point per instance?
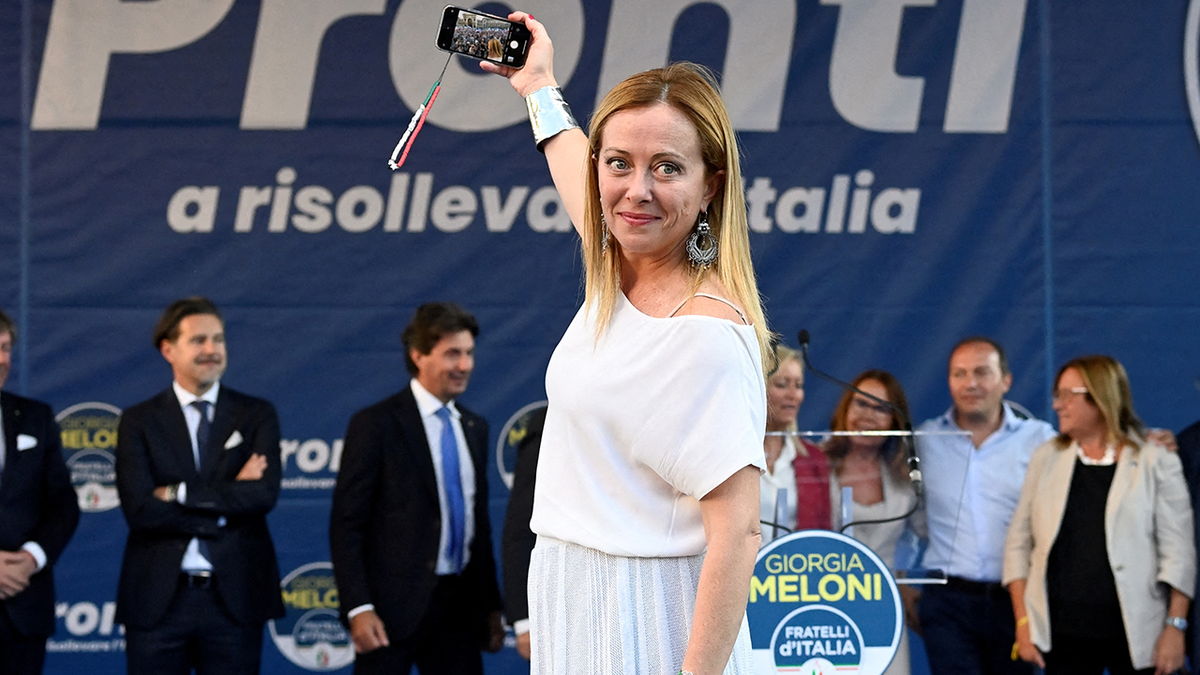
(452, 478)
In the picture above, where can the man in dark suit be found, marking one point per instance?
(518, 540)
(1189, 455)
(197, 470)
(409, 531)
(38, 515)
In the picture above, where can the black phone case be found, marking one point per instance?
(513, 45)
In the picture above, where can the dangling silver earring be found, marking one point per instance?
(603, 234)
(702, 245)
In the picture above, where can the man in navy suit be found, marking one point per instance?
(38, 515)
(198, 470)
(409, 531)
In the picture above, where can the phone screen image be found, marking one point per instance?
(483, 36)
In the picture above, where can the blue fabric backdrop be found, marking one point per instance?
(917, 171)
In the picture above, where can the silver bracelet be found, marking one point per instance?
(549, 114)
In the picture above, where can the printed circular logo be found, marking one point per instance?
(823, 603)
(511, 435)
(816, 640)
(310, 634)
(89, 440)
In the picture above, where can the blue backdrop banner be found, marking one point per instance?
(917, 171)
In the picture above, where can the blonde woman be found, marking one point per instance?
(794, 490)
(1100, 557)
(647, 499)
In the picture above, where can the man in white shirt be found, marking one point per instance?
(409, 532)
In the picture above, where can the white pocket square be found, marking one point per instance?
(234, 440)
(25, 442)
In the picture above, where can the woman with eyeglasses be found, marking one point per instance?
(1100, 558)
(873, 467)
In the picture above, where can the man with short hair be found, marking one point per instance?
(972, 484)
(409, 531)
(38, 514)
(198, 470)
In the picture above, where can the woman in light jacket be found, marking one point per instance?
(1100, 558)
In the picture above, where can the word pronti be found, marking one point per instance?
(415, 203)
(864, 87)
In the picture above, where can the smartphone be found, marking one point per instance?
(483, 36)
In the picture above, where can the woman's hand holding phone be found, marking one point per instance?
(539, 64)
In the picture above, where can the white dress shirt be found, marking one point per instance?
(193, 561)
(428, 405)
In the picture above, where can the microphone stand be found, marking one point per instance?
(914, 462)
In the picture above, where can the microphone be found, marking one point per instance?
(914, 462)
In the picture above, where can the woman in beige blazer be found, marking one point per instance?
(1100, 556)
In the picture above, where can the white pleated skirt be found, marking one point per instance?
(595, 613)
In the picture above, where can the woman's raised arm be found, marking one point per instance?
(566, 152)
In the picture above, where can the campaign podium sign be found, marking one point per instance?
(823, 603)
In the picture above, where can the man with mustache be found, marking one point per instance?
(198, 470)
(409, 531)
(38, 514)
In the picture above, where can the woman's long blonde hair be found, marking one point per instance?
(690, 89)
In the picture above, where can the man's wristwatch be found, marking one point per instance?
(1178, 622)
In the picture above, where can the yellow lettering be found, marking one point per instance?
(805, 596)
(824, 588)
(862, 587)
(855, 563)
(774, 564)
(764, 587)
(309, 598)
(815, 563)
(787, 588)
(104, 438)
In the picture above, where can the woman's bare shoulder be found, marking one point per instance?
(714, 301)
